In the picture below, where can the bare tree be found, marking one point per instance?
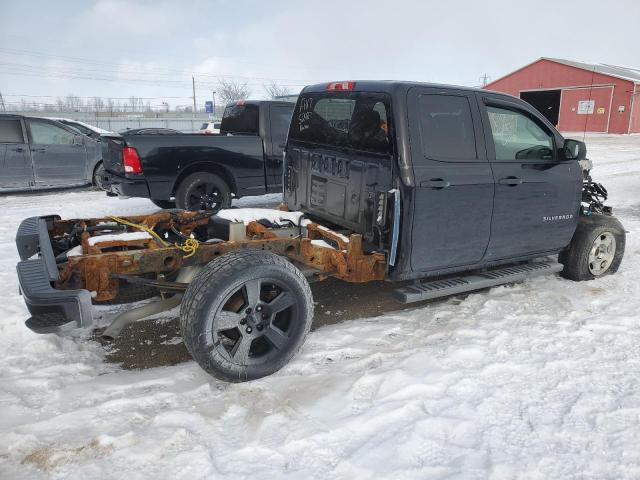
(73, 103)
(275, 90)
(60, 104)
(232, 91)
(97, 104)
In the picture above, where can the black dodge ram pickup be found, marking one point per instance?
(442, 189)
(197, 171)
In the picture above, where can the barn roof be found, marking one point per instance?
(625, 73)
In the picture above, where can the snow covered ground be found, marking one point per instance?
(538, 380)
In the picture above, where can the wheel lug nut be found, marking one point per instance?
(247, 311)
(249, 330)
(265, 316)
(259, 308)
(259, 327)
(243, 321)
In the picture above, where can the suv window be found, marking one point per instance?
(11, 131)
(45, 133)
(345, 119)
(517, 137)
(446, 128)
(240, 118)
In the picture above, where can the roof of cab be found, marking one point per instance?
(258, 102)
(392, 86)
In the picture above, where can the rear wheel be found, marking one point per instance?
(164, 204)
(246, 315)
(98, 176)
(596, 249)
(203, 191)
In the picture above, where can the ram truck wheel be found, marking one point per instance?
(596, 249)
(246, 314)
(203, 191)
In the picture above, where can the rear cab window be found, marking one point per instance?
(346, 120)
(241, 119)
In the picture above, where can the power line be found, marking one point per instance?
(147, 68)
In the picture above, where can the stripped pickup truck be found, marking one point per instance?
(441, 189)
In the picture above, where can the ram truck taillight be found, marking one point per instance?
(131, 160)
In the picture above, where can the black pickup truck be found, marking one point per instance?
(203, 172)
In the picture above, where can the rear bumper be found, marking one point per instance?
(125, 187)
(37, 270)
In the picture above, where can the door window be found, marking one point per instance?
(44, 133)
(446, 128)
(11, 131)
(517, 137)
(280, 120)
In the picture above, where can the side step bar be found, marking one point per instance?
(490, 278)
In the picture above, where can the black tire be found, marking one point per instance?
(129, 293)
(164, 204)
(268, 310)
(592, 232)
(98, 175)
(203, 191)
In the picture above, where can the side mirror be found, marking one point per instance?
(574, 149)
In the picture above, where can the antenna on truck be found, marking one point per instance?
(586, 117)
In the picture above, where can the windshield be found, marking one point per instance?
(240, 118)
(343, 119)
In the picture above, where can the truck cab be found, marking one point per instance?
(443, 179)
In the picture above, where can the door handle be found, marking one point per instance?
(511, 181)
(436, 183)
(18, 149)
(38, 149)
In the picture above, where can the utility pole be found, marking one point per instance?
(193, 84)
(484, 80)
(213, 95)
(4, 109)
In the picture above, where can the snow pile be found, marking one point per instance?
(248, 215)
(120, 237)
(536, 380)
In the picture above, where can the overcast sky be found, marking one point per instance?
(117, 48)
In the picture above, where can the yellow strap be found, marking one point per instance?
(189, 247)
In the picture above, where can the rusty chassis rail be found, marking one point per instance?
(100, 268)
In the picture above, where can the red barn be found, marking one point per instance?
(578, 96)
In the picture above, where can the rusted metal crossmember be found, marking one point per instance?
(100, 264)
